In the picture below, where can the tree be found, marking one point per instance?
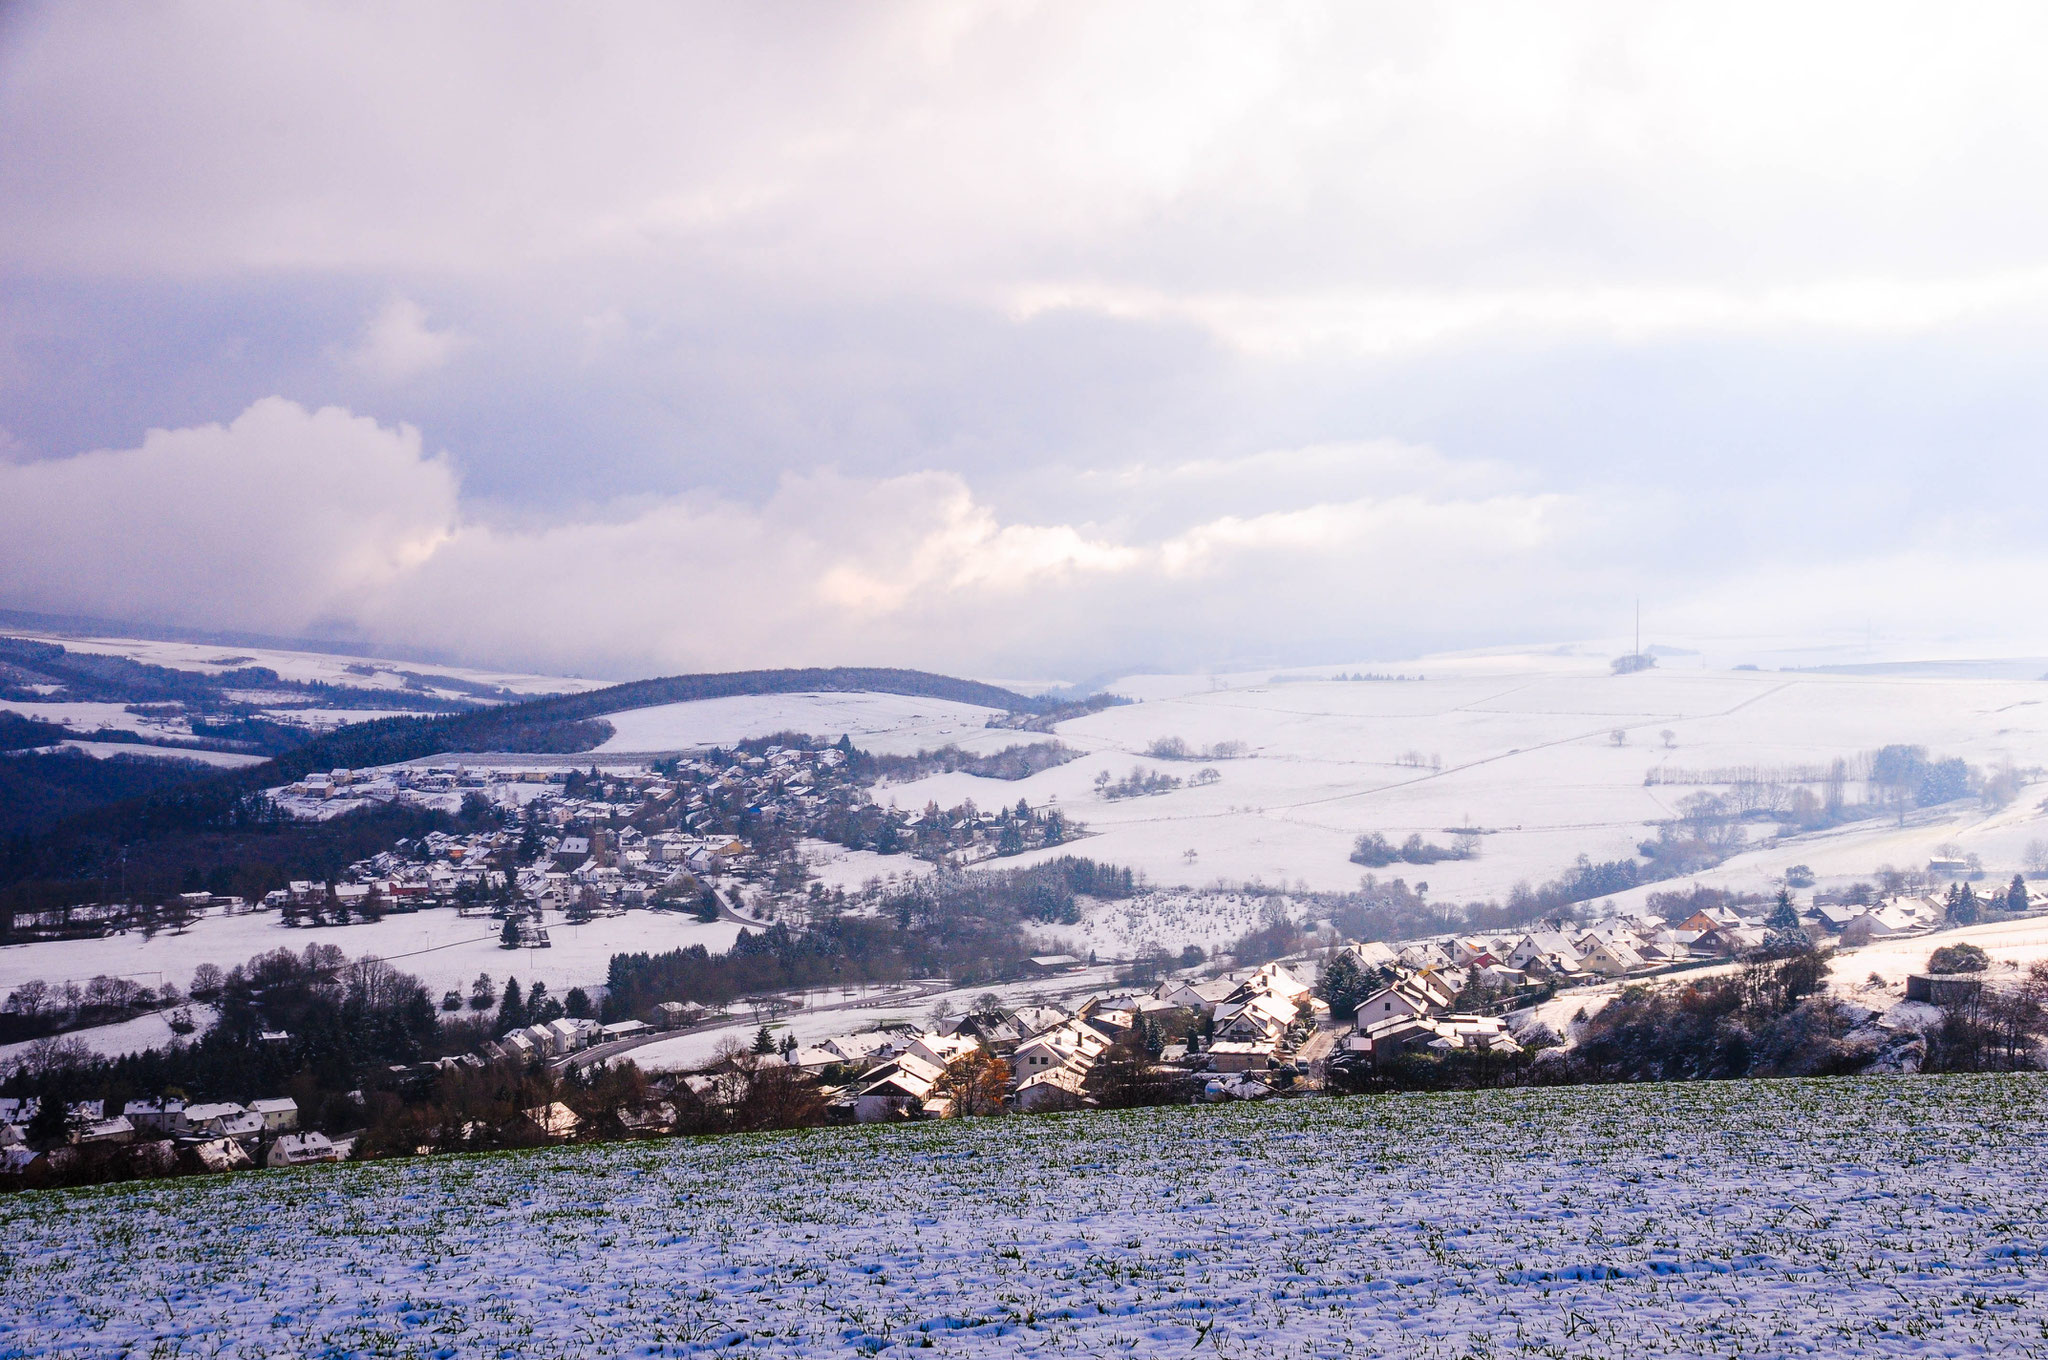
(1784, 916)
(508, 938)
(764, 1042)
(32, 998)
(788, 1046)
(578, 1004)
(976, 1082)
(1344, 983)
(207, 981)
(1124, 1077)
(1963, 906)
(54, 1123)
(480, 993)
(2016, 894)
(512, 1009)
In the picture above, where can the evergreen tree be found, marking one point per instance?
(1784, 916)
(2016, 894)
(1344, 983)
(511, 1010)
(578, 1004)
(788, 1046)
(509, 936)
(764, 1042)
(1965, 910)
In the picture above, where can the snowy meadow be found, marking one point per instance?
(1843, 1217)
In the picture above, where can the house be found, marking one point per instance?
(1401, 1000)
(942, 1049)
(297, 1149)
(897, 1089)
(1263, 1018)
(676, 1014)
(1235, 1055)
(279, 1115)
(1054, 1088)
(1729, 941)
(1610, 957)
(1202, 996)
(623, 1029)
(570, 1035)
(221, 1154)
(1545, 951)
(553, 1120)
(647, 1120)
(1388, 1039)
(209, 1121)
(156, 1116)
(1831, 915)
(115, 1130)
(1273, 980)
(1373, 955)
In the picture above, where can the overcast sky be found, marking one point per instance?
(1025, 340)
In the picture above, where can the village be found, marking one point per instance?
(1329, 1020)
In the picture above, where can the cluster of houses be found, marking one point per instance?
(1255, 1022)
(160, 1135)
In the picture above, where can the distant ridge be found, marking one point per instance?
(568, 723)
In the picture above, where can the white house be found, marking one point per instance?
(297, 1149)
(279, 1115)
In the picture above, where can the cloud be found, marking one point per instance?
(296, 521)
(281, 518)
(399, 345)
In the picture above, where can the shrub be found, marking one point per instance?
(1958, 958)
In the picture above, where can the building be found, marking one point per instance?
(280, 1115)
(297, 1149)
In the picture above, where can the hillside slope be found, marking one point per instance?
(1842, 1217)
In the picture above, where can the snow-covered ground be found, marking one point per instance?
(892, 723)
(1118, 928)
(443, 949)
(838, 867)
(1882, 1217)
(94, 717)
(313, 667)
(104, 750)
(1523, 746)
(130, 1036)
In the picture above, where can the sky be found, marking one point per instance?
(1028, 340)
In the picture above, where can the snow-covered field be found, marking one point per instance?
(1523, 746)
(106, 750)
(891, 723)
(94, 717)
(441, 948)
(1119, 928)
(1844, 1217)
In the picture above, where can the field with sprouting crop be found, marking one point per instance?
(1848, 1217)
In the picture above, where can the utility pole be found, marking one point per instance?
(1639, 626)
